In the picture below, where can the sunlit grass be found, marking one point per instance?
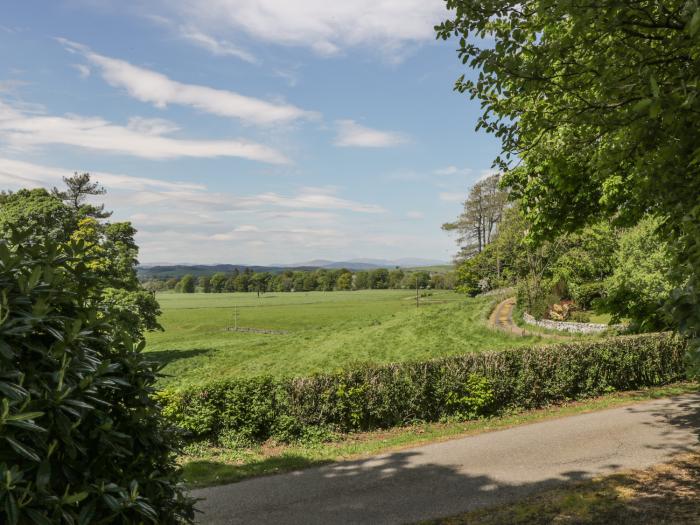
(326, 331)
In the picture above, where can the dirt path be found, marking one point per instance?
(453, 477)
(502, 318)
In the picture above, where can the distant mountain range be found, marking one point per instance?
(167, 270)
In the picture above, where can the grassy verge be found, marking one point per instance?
(667, 493)
(211, 465)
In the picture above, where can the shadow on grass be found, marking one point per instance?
(209, 473)
(164, 357)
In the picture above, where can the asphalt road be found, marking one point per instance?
(459, 475)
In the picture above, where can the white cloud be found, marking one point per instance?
(327, 27)
(11, 85)
(213, 45)
(17, 173)
(145, 138)
(307, 198)
(453, 170)
(191, 222)
(415, 215)
(150, 86)
(352, 134)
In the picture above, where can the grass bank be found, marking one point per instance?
(206, 465)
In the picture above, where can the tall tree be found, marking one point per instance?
(186, 284)
(80, 187)
(204, 283)
(598, 102)
(478, 223)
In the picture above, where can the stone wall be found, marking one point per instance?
(565, 326)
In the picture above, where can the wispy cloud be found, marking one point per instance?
(326, 27)
(83, 70)
(178, 219)
(17, 173)
(145, 138)
(352, 134)
(150, 86)
(215, 46)
(453, 170)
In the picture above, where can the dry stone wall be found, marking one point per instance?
(566, 326)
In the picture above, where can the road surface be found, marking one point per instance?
(456, 476)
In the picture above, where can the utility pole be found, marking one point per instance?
(417, 298)
(235, 318)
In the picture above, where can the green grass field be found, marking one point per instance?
(326, 331)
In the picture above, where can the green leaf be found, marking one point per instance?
(11, 509)
(24, 416)
(642, 105)
(654, 87)
(43, 475)
(6, 350)
(38, 518)
(86, 514)
(27, 425)
(21, 449)
(694, 25)
(34, 277)
(75, 498)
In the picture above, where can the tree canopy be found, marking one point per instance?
(596, 106)
(596, 103)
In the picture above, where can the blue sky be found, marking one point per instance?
(247, 131)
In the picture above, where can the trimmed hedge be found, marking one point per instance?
(463, 386)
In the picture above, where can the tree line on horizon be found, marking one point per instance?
(304, 281)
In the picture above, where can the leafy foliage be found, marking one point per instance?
(598, 103)
(83, 440)
(641, 283)
(465, 386)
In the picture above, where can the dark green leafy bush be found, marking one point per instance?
(464, 386)
(81, 439)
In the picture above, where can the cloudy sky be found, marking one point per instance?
(246, 131)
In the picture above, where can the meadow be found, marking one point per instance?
(323, 331)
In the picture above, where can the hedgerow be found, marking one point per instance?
(464, 386)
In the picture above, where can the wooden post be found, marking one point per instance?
(417, 299)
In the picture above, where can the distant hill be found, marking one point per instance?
(178, 270)
(166, 271)
(370, 264)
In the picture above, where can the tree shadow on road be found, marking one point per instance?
(393, 488)
(403, 487)
(674, 424)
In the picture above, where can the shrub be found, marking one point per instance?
(81, 439)
(642, 283)
(465, 386)
(585, 294)
(578, 316)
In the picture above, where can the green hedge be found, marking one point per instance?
(464, 386)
